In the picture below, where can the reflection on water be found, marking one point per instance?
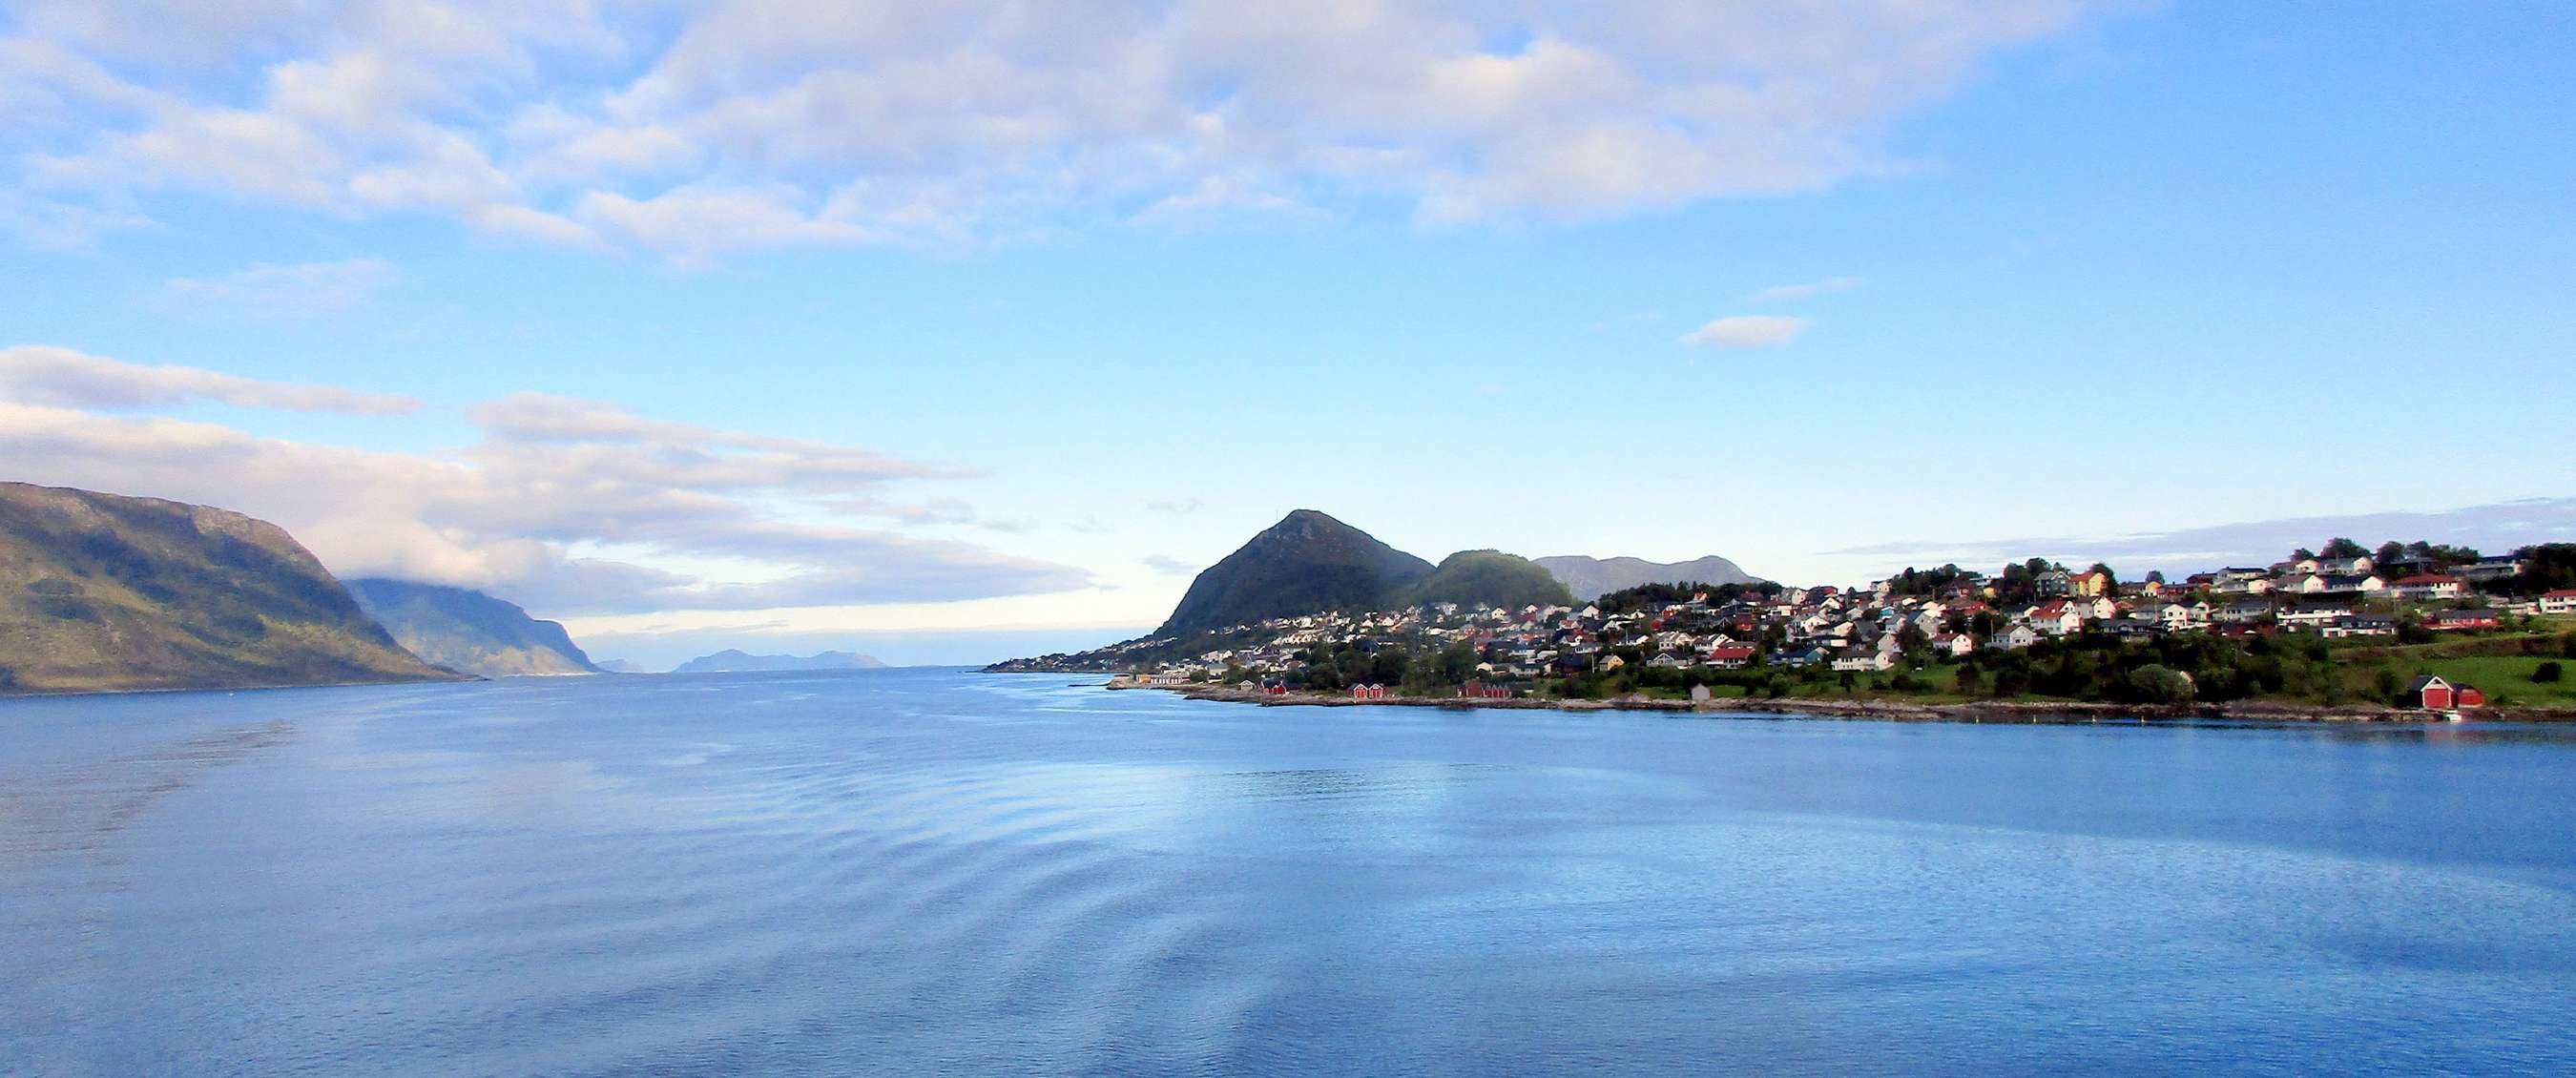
(928, 872)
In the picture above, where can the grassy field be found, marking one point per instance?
(2505, 679)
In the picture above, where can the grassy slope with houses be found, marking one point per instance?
(2343, 628)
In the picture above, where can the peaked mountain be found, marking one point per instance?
(1487, 578)
(731, 660)
(103, 593)
(1306, 563)
(468, 630)
(1591, 578)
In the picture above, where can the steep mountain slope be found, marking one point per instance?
(1590, 578)
(730, 660)
(468, 630)
(1308, 562)
(100, 592)
(1487, 578)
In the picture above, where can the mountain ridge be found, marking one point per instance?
(1590, 578)
(463, 629)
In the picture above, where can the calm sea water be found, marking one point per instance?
(940, 872)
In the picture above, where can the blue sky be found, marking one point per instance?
(992, 346)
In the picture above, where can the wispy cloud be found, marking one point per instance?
(1789, 293)
(1176, 506)
(753, 124)
(1166, 565)
(281, 293)
(1747, 331)
(42, 374)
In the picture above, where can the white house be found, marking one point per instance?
(2302, 584)
(2057, 618)
(1876, 661)
(2018, 636)
(2426, 587)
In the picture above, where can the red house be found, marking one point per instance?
(1730, 656)
(1368, 692)
(2436, 694)
(2453, 620)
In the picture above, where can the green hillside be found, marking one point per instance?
(1478, 578)
(100, 592)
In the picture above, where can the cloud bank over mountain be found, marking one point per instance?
(566, 506)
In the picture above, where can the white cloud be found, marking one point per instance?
(695, 131)
(694, 518)
(1787, 293)
(61, 377)
(1747, 331)
(283, 293)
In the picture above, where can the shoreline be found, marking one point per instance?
(58, 694)
(2038, 713)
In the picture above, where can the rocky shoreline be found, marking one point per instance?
(1881, 710)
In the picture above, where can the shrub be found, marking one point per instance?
(2548, 672)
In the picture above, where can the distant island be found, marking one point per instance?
(1313, 610)
(106, 593)
(735, 661)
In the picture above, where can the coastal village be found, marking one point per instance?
(1946, 617)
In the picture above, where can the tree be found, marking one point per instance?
(2390, 553)
(2341, 547)
(1971, 678)
(2156, 683)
